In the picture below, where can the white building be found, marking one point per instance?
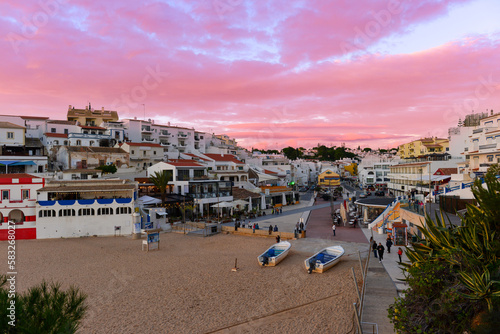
(18, 204)
(67, 209)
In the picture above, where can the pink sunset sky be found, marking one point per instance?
(268, 73)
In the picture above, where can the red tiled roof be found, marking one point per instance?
(9, 125)
(55, 121)
(143, 144)
(92, 127)
(18, 176)
(58, 135)
(184, 163)
(225, 157)
(446, 171)
(196, 156)
(33, 117)
(411, 164)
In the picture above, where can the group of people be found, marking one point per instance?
(277, 211)
(271, 229)
(379, 249)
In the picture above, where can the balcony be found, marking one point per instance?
(196, 138)
(182, 135)
(164, 133)
(488, 146)
(164, 143)
(88, 136)
(477, 131)
(147, 140)
(182, 144)
(146, 129)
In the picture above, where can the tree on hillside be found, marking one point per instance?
(107, 169)
(367, 149)
(454, 273)
(292, 153)
(161, 180)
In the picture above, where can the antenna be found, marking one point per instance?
(144, 109)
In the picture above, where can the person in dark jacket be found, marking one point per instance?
(380, 250)
(388, 243)
(270, 229)
(374, 248)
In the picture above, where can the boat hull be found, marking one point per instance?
(280, 251)
(324, 259)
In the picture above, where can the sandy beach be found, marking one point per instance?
(188, 287)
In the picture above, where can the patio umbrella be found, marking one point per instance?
(222, 205)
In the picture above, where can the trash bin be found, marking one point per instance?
(303, 234)
(380, 230)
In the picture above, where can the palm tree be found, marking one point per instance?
(45, 308)
(161, 180)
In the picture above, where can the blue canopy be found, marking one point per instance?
(16, 163)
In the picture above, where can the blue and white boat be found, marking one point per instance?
(274, 254)
(324, 259)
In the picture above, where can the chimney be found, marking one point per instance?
(69, 108)
(491, 112)
(135, 118)
(86, 107)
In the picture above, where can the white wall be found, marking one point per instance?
(80, 226)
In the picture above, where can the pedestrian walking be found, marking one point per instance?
(380, 250)
(270, 229)
(334, 228)
(374, 248)
(278, 239)
(301, 225)
(388, 243)
(400, 252)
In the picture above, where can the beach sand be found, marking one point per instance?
(188, 286)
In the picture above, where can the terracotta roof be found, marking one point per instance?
(9, 125)
(446, 171)
(224, 157)
(196, 156)
(239, 193)
(58, 135)
(92, 127)
(184, 163)
(18, 176)
(33, 117)
(411, 164)
(143, 144)
(62, 122)
(270, 172)
(95, 149)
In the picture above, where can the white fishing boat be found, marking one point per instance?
(324, 259)
(274, 254)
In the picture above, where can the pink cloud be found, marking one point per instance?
(237, 72)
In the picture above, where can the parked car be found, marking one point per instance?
(379, 193)
(368, 193)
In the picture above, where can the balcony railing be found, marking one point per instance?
(149, 140)
(146, 129)
(182, 135)
(487, 146)
(477, 131)
(164, 143)
(164, 133)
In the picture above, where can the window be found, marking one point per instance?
(53, 130)
(104, 211)
(5, 195)
(78, 142)
(154, 152)
(133, 152)
(86, 212)
(66, 212)
(25, 193)
(123, 211)
(66, 131)
(47, 213)
(10, 135)
(490, 158)
(218, 168)
(56, 142)
(101, 162)
(66, 142)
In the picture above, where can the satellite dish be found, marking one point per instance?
(472, 175)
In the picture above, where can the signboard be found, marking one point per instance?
(153, 241)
